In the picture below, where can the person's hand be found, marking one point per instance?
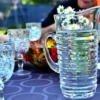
(3, 37)
(51, 28)
(86, 14)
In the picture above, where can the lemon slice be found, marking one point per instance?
(89, 37)
(85, 38)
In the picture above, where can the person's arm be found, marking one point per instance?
(49, 20)
(50, 28)
(3, 37)
(48, 24)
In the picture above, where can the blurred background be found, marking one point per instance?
(15, 13)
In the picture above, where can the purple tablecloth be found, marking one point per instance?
(37, 86)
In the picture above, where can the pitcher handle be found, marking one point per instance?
(54, 66)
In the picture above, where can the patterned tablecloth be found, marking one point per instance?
(38, 85)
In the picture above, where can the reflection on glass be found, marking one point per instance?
(6, 64)
(35, 31)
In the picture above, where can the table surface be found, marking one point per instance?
(38, 85)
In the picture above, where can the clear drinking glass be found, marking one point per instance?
(35, 30)
(20, 37)
(6, 64)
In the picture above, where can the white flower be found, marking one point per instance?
(81, 19)
(70, 16)
(60, 9)
(73, 27)
(71, 21)
(86, 21)
(68, 10)
(65, 23)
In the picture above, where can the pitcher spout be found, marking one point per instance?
(94, 13)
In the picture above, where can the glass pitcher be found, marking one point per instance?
(77, 49)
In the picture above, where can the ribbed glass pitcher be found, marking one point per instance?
(77, 48)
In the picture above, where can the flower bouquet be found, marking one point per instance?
(71, 21)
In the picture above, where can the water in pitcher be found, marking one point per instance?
(77, 59)
(77, 47)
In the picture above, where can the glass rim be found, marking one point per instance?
(83, 30)
(92, 10)
(17, 29)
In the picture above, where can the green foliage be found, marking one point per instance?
(12, 27)
(23, 25)
(2, 31)
(40, 1)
